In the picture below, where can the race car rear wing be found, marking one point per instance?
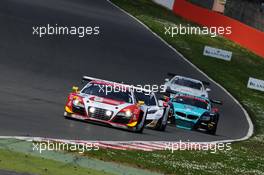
(216, 102)
(89, 79)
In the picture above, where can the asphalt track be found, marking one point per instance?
(36, 74)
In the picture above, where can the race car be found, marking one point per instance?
(158, 110)
(194, 113)
(106, 102)
(186, 85)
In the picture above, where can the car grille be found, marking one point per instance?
(181, 114)
(184, 123)
(99, 114)
(78, 110)
(192, 117)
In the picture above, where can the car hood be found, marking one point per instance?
(104, 103)
(188, 109)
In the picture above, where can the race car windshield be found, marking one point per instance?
(187, 83)
(192, 102)
(148, 99)
(97, 90)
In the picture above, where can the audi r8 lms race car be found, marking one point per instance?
(106, 102)
(194, 113)
(158, 110)
(186, 85)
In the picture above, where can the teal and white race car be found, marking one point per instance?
(193, 113)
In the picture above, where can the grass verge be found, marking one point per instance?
(245, 157)
(24, 163)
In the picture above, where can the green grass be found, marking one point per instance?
(245, 157)
(25, 163)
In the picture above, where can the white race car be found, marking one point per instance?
(158, 110)
(107, 102)
(186, 85)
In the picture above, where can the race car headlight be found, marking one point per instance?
(206, 117)
(91, 109)
(152, 111)
(77, 102)
(108, 113)
(127, 113)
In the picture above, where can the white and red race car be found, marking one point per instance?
(107, 102)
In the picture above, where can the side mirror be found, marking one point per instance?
(216, 102)
(75, 89)
(207, 89)
(140, 103)
(167, 80)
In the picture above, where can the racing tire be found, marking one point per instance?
(212, 132)
(161, 124)
(171, 117)
(66, 116)
(140, 127)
